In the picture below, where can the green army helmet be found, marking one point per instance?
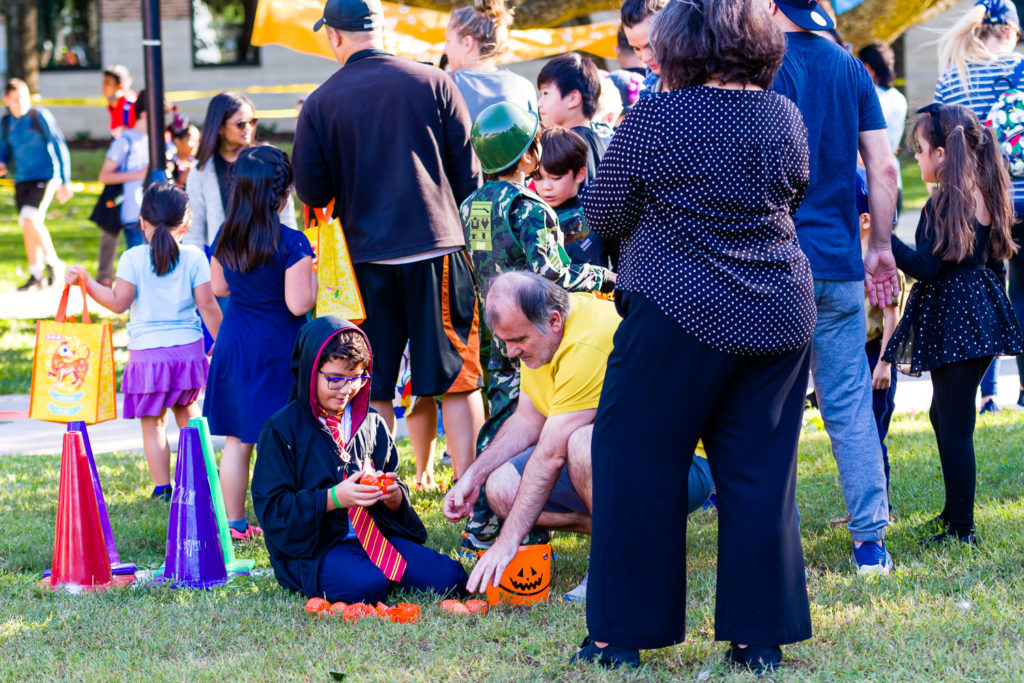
(501, 135)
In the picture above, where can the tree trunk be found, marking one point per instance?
(21, 21)
(886, 20)
(872, 19)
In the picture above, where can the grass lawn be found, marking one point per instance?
(945, 613)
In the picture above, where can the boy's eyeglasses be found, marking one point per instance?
(336, 383)
(242, 124)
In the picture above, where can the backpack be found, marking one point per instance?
(1006, 119)
(33, 118)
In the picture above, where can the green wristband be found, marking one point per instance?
(335, 499)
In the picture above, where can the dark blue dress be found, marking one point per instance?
(250, 373)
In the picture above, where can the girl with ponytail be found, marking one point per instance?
(476, 37)
(266, 272)
(164, 283)
(979, 62)
(958, 317)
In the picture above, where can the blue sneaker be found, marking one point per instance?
(871, 558)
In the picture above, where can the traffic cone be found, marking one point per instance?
(235, 566)
(80, 560)
(194, 557)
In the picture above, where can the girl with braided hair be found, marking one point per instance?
(163, 282)
(268, 272)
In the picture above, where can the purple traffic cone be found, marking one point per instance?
(194, 557)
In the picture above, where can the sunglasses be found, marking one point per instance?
(934, 108)
(242, 124)
(337, 383)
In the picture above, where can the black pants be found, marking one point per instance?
(664, 390)
(952, 415)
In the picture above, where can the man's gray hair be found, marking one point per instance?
(536, 297)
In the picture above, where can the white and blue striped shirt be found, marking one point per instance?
(986, 83)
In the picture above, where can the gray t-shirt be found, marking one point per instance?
(131, 152)
(481, 89)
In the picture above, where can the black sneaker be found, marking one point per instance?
(989, 406)
(760, 659)
(949, 535)
(609, 657)
(1019, 405)
(49, 275)
(32, 283)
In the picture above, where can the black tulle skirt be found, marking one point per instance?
(963, 314)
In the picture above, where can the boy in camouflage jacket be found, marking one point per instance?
(510, 228)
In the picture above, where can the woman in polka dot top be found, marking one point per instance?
(701, 181)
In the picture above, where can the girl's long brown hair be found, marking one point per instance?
(973, 161)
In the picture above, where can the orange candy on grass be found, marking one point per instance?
(477, 606)
(453, 607)
(359, 610)
(318, 606)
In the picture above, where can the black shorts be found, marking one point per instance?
(432, 304)
(34, 193)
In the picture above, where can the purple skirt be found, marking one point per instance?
(156, 379)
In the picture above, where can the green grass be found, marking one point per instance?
(945, 613)
(915, 193)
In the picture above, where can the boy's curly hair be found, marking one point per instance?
(348, 346)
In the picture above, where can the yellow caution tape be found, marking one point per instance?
(92, 188)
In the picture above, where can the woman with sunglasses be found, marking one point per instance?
(229, 128)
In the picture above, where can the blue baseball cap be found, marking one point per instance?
(806, 14)
(352, 15)
(999, 12)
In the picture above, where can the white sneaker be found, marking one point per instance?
(579, 593)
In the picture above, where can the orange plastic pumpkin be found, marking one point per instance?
(453, 607)
(526, 580)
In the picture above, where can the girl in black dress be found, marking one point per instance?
(958, 316)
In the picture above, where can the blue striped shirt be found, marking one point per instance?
(986, 83)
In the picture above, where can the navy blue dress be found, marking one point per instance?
(250, 373)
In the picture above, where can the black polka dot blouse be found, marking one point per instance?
(702, 184)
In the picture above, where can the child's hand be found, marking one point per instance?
(351, 493)
(881, 378)
(393, 493)
(72, 274)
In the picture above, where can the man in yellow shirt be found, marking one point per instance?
(537, 468)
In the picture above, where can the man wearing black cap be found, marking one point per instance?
(836, 96)
(387, 140)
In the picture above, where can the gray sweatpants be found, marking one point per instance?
(842, 383)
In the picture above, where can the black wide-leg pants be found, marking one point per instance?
(664, 390)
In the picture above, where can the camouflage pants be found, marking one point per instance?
(502, 399)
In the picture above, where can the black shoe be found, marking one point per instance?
(937, 524)
(161, 493)
(949, 535)
(49, 275)
(760, 659)
(32, 283)
(610, 656)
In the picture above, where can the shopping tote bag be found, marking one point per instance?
(73, 368)
(338, 292)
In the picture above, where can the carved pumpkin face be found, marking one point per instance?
(527, 578)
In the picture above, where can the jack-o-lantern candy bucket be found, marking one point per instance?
(526, 580)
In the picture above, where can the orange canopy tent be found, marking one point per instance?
(418, 33)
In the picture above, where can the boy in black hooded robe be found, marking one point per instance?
(311, 454)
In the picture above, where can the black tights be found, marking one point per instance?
(952, 415)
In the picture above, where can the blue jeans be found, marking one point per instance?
(842, 383)
(347, 573)
(133, 235)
